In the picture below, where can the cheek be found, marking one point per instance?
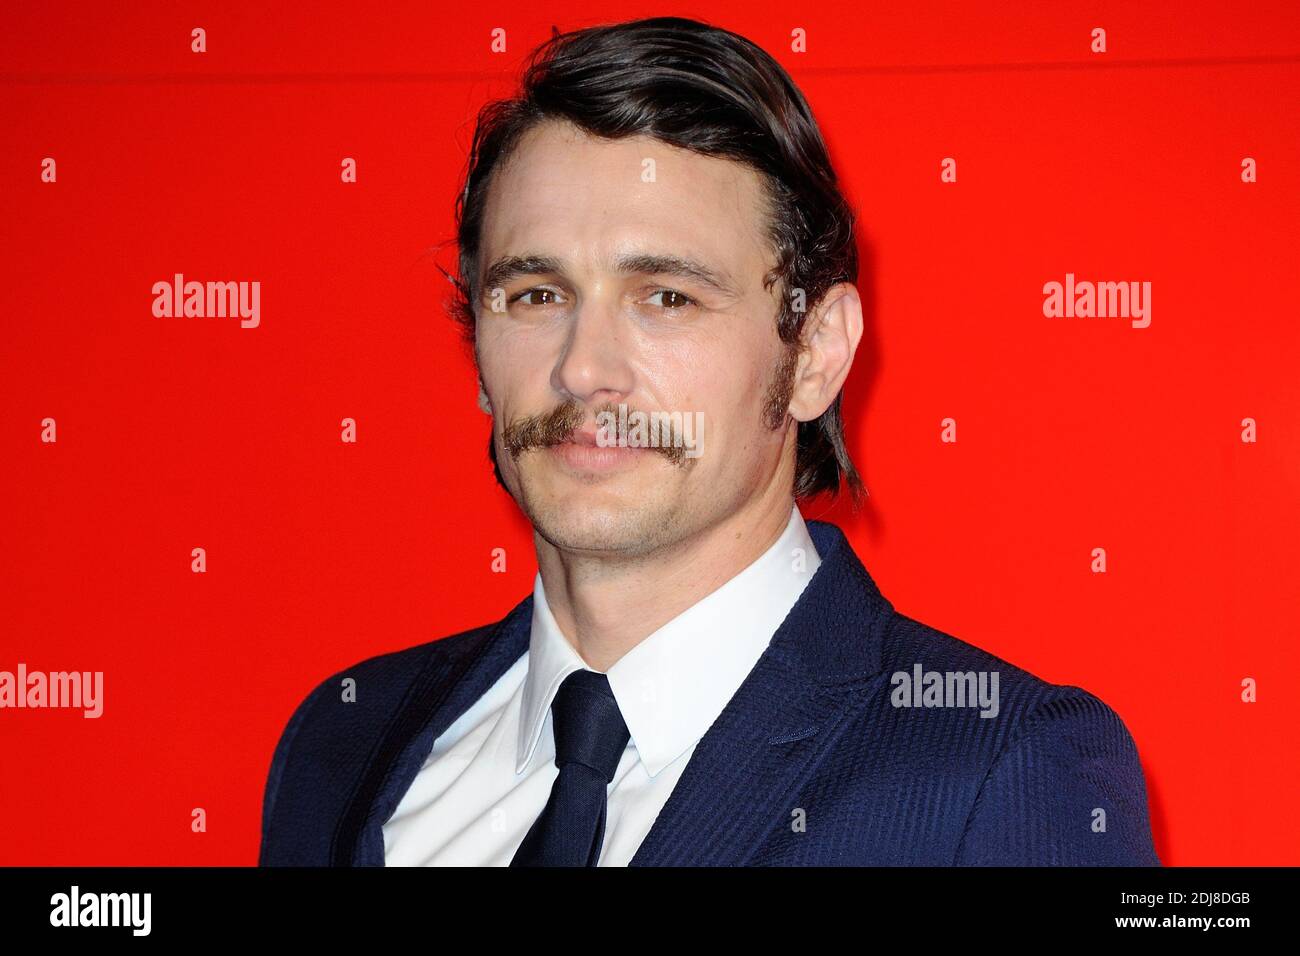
(731, 416)
(718, 378)
(511, 368)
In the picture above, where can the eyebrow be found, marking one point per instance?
(511, 267)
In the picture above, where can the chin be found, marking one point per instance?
(574, 523)
(591, 529)
(630, 512)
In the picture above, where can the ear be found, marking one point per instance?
(483, 403)
(829, 340)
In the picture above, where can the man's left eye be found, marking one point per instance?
(673, 299)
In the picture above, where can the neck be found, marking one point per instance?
(590, 597)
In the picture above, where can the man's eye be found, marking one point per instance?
(674, 299)
(528, 293)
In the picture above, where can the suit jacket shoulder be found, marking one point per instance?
(1050, 776)
(330, 738)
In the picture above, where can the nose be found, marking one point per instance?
(594, 366)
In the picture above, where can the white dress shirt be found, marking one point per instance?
(490, 773)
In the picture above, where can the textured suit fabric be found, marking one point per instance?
(811, 762)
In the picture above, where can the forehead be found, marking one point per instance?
(585, 199)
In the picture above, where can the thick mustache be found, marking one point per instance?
(543, 430)
(558, 425)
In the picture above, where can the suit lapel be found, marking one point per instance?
(444, 689)
(742, 780)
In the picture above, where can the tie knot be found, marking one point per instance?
(588, 725)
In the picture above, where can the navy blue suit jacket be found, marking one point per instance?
(812, 762)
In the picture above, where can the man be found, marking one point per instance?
(653, 228)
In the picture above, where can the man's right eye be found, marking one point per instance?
(527, 295)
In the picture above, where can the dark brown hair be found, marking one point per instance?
(706, 89)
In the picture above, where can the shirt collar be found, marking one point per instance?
(672, 686)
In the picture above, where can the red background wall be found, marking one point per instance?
(1073, 433)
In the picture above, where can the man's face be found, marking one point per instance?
(590, 329)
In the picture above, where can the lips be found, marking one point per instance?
(581, 456)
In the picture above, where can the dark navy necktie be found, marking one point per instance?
(590, 737)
